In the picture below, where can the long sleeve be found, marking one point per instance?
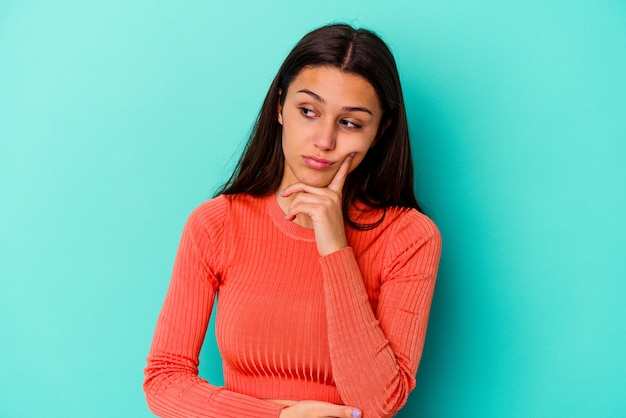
(375, 354)
(172, 385)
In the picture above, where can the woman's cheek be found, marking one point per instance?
(356, 160)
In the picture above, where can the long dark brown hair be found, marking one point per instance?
(385, 176)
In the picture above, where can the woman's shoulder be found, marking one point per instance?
(409, 229)
(218, 208)
(411, 220)
(399, 230)
(411, 236)
(395, 219)
(215, 207)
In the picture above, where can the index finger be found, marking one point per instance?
(336, 184)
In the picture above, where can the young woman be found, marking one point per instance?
(324, 264)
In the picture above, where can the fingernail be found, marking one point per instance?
(356, 413)
(281, 192)
(352, 154)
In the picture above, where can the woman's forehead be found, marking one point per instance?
(330, 85)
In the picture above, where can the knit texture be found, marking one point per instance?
(346, 328)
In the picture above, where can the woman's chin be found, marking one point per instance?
(317, 183)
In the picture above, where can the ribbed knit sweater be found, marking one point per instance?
(346, 328)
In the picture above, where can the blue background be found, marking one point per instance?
(117, 118)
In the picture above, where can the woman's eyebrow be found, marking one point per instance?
(345, 109)
(313, 95)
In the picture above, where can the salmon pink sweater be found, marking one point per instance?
(346, 328)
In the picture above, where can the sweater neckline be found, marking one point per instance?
(288, 228)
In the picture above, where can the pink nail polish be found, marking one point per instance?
(356, 413)
(352, 154)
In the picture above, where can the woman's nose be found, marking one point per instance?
(326, 136)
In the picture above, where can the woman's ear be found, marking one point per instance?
(279, 107)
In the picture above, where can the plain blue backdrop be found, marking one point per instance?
(118, 118)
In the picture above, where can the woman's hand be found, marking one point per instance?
(315, 409)
(324, 206)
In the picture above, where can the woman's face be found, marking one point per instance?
(326, 115)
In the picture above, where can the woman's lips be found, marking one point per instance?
(317, 163)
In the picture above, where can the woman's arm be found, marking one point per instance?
(172, 385)
(375, 355)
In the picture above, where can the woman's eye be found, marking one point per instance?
(310, 113)
(349, 124)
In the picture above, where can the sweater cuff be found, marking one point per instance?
(341, 263)
(342, 276)
(341, 258)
